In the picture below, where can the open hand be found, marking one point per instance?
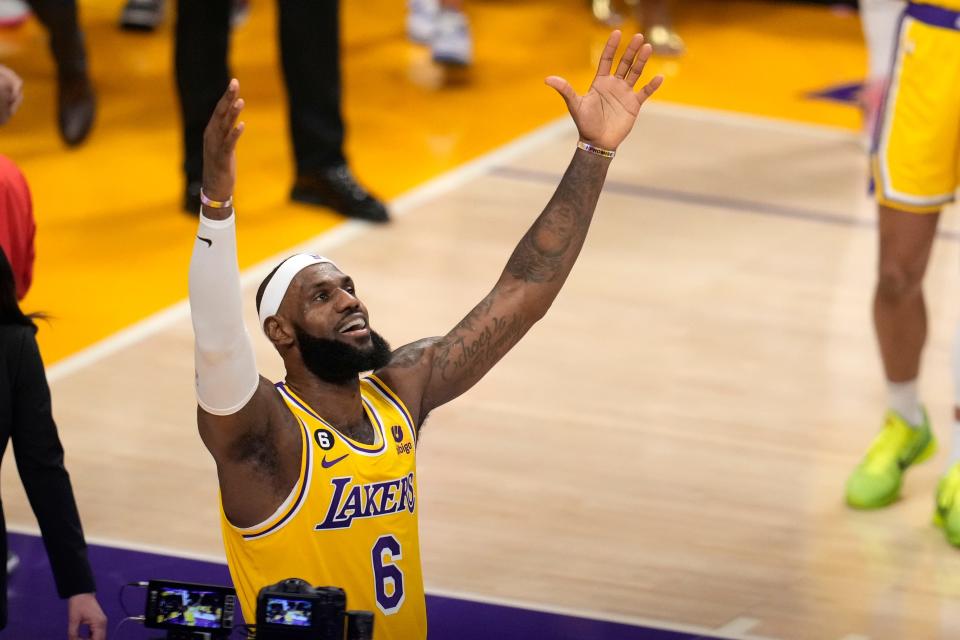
(83, 609)
(220, 144)
(606, 113)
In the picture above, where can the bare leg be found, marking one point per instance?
(899, 310)
(900, 319)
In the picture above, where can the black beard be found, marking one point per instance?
(338, 362)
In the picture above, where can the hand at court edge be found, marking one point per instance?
(11, 93)
(83, 609)
(220, 144)
(606, 113)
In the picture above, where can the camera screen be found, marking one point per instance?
(189, 608)
(291, 613)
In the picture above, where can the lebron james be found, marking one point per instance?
(317, 473)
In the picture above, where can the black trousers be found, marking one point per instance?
(59, 17)
(310, 53)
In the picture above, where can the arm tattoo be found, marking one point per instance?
(411, 355)
(478, 342)
(548, 250)
(531, 280)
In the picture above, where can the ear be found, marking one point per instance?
(280, 332)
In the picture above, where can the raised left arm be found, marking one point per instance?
(434, 371)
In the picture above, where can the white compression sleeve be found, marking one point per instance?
(225, 366)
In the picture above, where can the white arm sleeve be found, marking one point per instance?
(225, 366)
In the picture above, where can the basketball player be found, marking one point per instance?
(317, 473)
(915, 168)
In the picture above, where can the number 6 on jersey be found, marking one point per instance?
(387, 576)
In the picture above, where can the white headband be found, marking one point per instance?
(280, 282)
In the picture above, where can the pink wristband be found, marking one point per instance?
(215, 204)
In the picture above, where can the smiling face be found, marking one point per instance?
(322, 320)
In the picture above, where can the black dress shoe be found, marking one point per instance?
(191, 198)
(76, 107)
(336, 188)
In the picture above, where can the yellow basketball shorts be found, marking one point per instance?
(916, 151)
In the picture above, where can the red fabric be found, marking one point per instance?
(17, 228)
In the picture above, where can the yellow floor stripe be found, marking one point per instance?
(113, 245)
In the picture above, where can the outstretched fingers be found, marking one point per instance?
(636, 69)
(650, 88)
(234, 135)
(228, 98)
(606, 58)
(229, 121)
(564, 89)
(626, 62)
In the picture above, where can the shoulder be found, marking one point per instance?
(412, 355)
(408, 371)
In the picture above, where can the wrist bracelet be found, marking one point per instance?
(215, 204)
(597, 151)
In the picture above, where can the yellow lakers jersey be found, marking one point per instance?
(350, 521)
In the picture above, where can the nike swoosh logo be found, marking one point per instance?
(207, 240)
(327, 465)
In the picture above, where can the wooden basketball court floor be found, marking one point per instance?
(668, 446)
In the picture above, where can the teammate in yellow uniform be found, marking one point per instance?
(916, 169)
(318, 473)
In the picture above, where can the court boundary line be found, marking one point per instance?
(319, 243)
(754, 121)
(418, 196)
(588, 614)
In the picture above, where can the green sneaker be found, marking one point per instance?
(947, 515)
(876, 481)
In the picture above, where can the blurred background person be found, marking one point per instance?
(443, 26)
(146, 15)
(915, 171)
(17, 227)
(76, 100)
(310, 55)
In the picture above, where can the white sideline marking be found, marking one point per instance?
(764, 123)
(740, 625)
(414, 198)
(322, 243)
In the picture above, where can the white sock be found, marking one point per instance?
(902, 398)
(879, 19)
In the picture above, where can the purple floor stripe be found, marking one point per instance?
(36, 613)
(737, 206)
